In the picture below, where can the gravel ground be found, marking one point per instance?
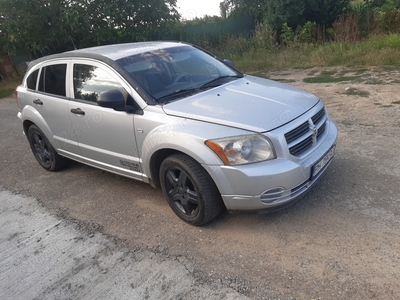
(341, 241)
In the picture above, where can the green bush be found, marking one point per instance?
(388, 22)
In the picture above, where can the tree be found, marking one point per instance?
(242, 8)
(293, 12)
(46, 26)
(279, 12)
(325, 12)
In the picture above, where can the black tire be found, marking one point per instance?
(43, 151)
(189, 189)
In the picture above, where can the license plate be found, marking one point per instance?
(319, 166)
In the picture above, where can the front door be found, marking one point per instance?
(106, 137)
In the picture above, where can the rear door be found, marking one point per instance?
(106, 137)
(51, 102)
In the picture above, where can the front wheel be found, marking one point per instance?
(190, 191)
(43, 151)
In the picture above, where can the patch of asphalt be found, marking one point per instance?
(45, 257)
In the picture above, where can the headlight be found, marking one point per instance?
(241, 150)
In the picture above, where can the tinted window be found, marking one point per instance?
(90, 81)
(31, 80)
(52, 79)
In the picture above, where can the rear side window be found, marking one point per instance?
(52, 79)
(31, 80)
(90, 81)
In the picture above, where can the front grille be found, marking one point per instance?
(303, 137)
(299, 131)
(318, 116)
(321, 130)
(301, 147)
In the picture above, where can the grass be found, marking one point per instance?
(283, 80)
(380, 51)
(328, 79)
(328, 73)
(7, 86)
(356, 92)
(384, 105)
(260, 74)
(374, 81)
(360, 71)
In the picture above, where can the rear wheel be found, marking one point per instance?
(189, 189)
(43, 151)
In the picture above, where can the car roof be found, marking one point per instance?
(117, 51)
(113, 52)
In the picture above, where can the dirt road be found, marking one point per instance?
(341, 241)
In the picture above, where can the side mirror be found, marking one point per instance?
(228, 62)
(111, 99)
(115, 99)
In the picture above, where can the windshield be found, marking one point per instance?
(176, 72)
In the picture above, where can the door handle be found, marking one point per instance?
(38, 102)
(77, 111)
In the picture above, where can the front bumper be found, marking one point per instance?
(274, 184)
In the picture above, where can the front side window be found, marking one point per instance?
(90, 81)
(52, 79)
(31, 80)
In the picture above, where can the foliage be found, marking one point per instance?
(288, 36)
(309, 32)
(383, 5)
(211, 32)
(325, 12)
(293, 12)
(242, 8)
(280, 12)
(346, 28)
(264, 37)
(58, 25)
(388, 22)
(8, 85)
(374, 51)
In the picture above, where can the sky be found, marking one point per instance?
(190, 9)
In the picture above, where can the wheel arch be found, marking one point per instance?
(158, 157)
(31, 116)
(155, 163)
(25, 125)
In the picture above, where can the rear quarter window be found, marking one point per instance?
(32, 79)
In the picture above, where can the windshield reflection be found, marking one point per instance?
(174, 71)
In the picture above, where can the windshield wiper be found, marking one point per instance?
(180, 92)
(176, 94)
(216, 79)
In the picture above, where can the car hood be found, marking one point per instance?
(249, 103)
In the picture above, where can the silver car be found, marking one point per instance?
(180, 119)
